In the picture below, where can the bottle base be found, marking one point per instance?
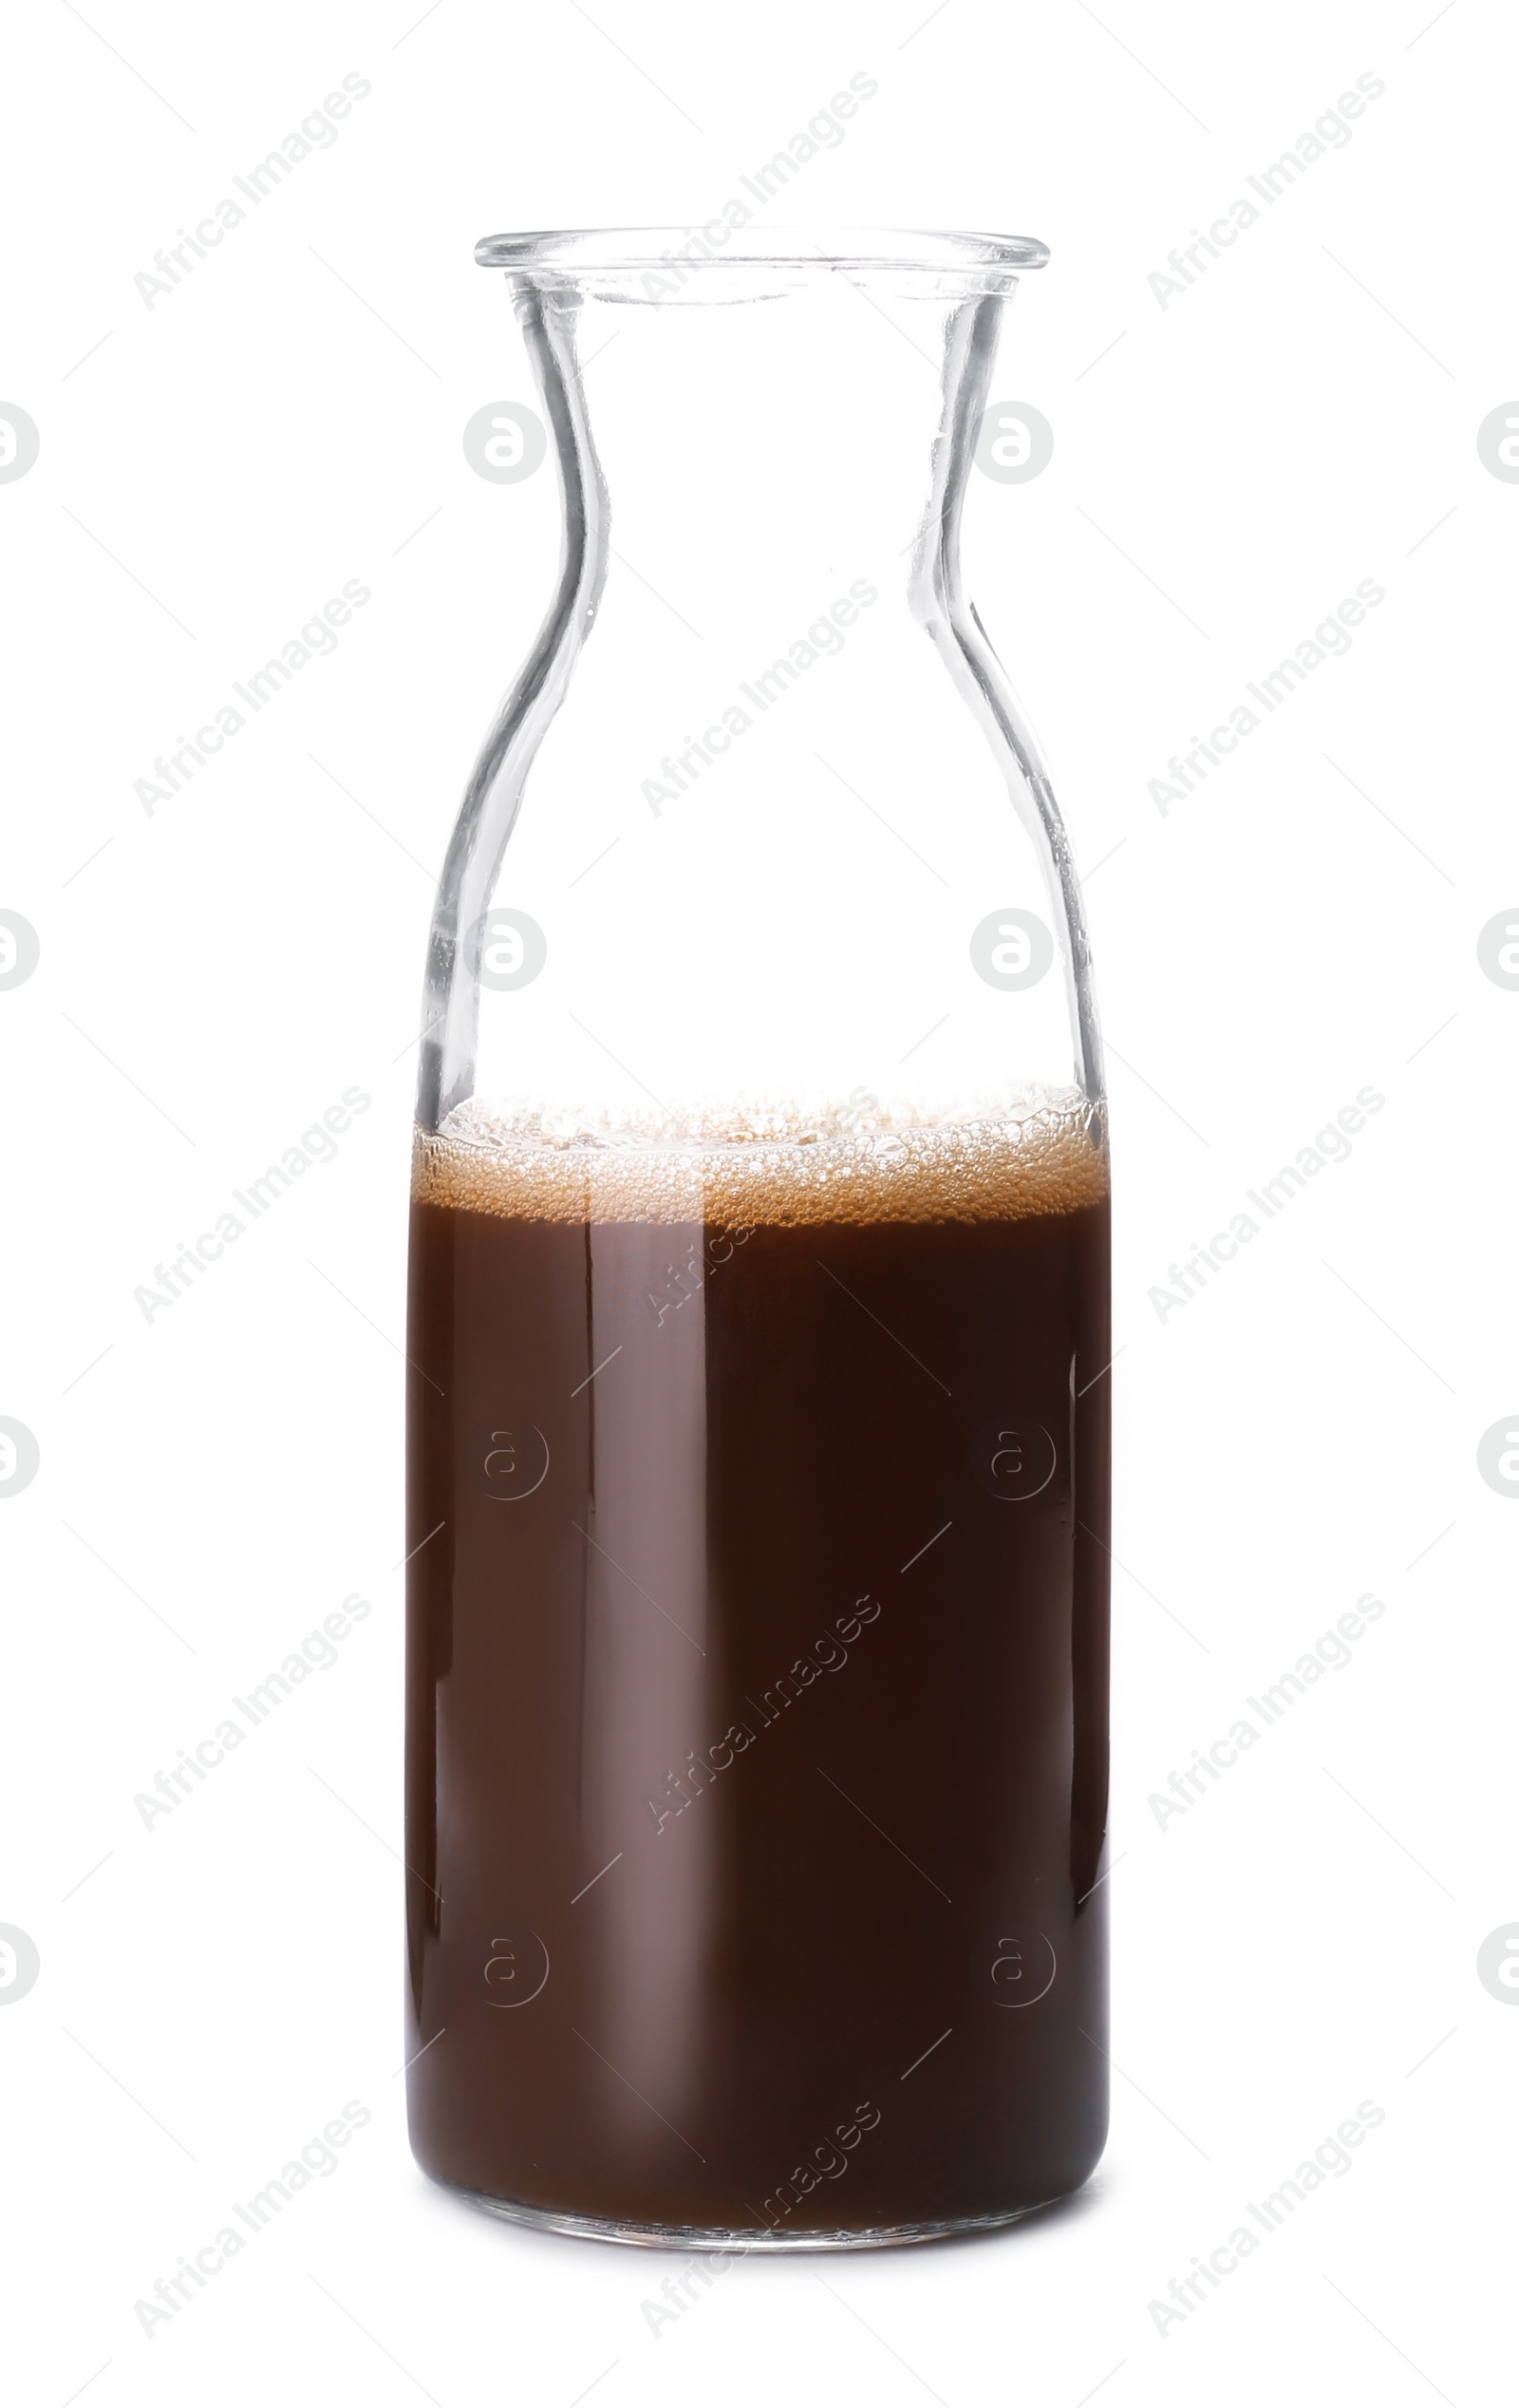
(740, 2241)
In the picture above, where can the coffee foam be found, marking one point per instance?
(770, 1167)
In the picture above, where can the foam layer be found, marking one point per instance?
(1040, 1156)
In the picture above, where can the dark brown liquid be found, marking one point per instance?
(759, 1617)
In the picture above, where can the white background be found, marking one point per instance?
(213, 976)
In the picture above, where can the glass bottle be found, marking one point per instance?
(756, 1760)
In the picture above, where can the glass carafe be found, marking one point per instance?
(756, 1760)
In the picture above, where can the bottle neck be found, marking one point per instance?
(804, 442)
(756, 800)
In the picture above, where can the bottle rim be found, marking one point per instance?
(983, 260)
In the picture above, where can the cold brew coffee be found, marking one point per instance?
(757, 1775)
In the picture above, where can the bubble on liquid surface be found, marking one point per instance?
(766, 1164)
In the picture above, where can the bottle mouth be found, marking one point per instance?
(721, 261)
